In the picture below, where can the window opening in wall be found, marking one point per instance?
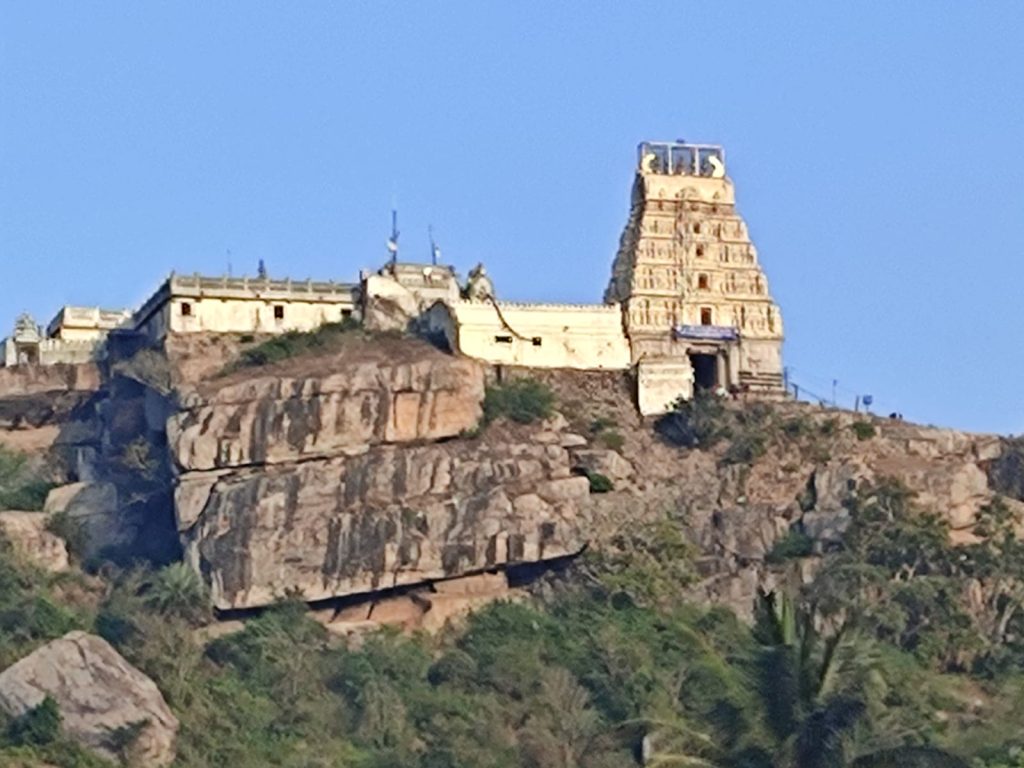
(705, 316)
(278, 312)
(346, 313)
(700, 251)
(696, 228)
(186, 309)
(503, 339)
(702, 282)
(536, 341)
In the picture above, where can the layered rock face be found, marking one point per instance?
(346, 480)
(393, 516)
(274, 419)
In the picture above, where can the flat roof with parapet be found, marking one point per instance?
(680, 158)
(88, 317)
(198, 286)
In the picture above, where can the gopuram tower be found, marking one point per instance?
(696, 305)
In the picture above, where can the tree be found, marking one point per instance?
(37, 727)
(813, 687)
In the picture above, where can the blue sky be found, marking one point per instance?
(876, 149)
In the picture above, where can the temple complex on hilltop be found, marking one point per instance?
(687, 306)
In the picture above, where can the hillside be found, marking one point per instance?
(346, 548)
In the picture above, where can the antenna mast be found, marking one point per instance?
(435, 251)
(393, 240)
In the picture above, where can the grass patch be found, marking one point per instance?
(523, 401)
(294, 343)
(864, 430)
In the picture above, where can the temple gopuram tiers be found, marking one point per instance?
(688, 277)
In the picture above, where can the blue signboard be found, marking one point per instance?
(706, 332)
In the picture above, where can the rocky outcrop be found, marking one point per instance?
(346, 479)
(273, 419)
(102, 698)
(395, 515)
(28, 535)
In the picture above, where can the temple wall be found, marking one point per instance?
(660, 383)
(195, 304)
(535, 335)
(57, 351)
(251, 315)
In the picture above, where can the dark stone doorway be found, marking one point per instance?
(705, 371)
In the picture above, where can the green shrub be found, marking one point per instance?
(599, 483)
(523, 401)
(22, 486)
(829, 427)
(37, 727)
(601, 423)
(864, 430)
(794, 544)
(699, 422)
(745, 448)
(177, 590)
(294, 343)
(120, 740)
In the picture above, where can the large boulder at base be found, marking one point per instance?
(28, 535)
(97, 692)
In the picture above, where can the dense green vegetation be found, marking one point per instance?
(522, 400)
(878, 662)
(22, 486)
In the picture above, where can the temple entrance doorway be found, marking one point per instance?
(705, 371)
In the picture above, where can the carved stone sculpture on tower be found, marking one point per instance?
(479, 287)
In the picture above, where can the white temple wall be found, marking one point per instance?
(232, 315)
(535, 335)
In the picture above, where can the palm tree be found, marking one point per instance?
(816, 687)
(813, 686)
